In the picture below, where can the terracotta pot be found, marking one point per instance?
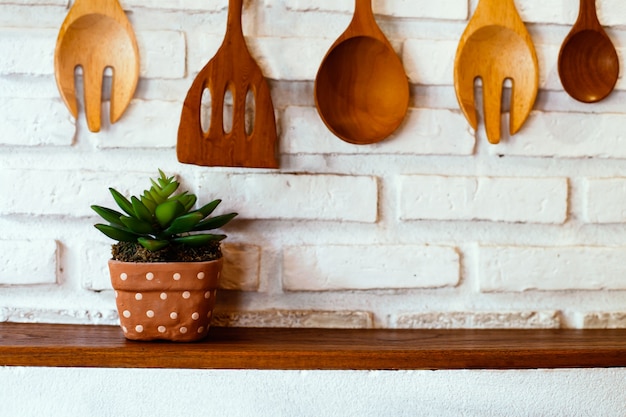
(168, 301)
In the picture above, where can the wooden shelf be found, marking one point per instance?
(278, 348)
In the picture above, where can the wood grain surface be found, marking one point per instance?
(361, 88)
(96, 35)
(232, 68)
(496, 46)
(281, 348)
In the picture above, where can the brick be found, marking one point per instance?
(480, 320)
(63, 192)
(605, 320)
(294, 319)
(94, 270)
(610, 12)
(200, 53)
(295, 197)
(64, 316)
(161, 54)
(443, 9)
(29, 87)
(560, 134)
(145, 124)
(423, 132)
(604, 200)
(32, 262)
(35, 122)
(517, 269)
(286, 59)
(330, 268)
(536, 11)
(242, 265)
(187, 5)
(429, 61)
(502, 199)
(36, 2)
(40, 44)
(548, 58)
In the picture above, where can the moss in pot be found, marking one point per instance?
(166, 263)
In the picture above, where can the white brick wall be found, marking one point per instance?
(368, 267)
(524, 200)
(432, 227)
(28, 262)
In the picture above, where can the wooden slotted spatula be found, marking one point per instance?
(96, 34)
(232, 68)
(494, 47)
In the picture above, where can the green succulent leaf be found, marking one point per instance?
(161, 216)
(110, 215)
(209, 208)
(165, 177)
(122, 202)
(215, 222)
(163, 182)
(152, 244)
(183, 224)
(141, 210)
(169, 189)
(186, 199)
(138, 226)
(156, 196)
(149, 203)
(116, 233)
(198, 240)
(190, 202)
(168, 211)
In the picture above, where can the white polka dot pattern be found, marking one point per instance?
(165, 304)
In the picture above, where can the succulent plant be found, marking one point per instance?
(159, 217)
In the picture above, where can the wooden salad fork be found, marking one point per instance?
(96, 35)
(495, 47)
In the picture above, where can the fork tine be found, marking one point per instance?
(492, 106)
(125, 78)
(464, 83)
(92, 81)
(523, 96)
(67, 85)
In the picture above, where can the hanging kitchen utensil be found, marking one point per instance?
(231, 69)
(96, 34)
(496, 46)
(361, 89)
(588, 62)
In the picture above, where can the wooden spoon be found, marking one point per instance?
(232, 68)
(588, 62)
(361, 89)
(96, 34)
(494, 47)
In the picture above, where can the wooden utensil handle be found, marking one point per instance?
(587, 15)
(108, 7)
(363, 18)
(501, 12)
(233, 24)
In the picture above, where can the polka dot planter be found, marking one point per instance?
(165, 301)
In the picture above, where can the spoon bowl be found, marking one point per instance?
(588, 63)
(361, 89)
